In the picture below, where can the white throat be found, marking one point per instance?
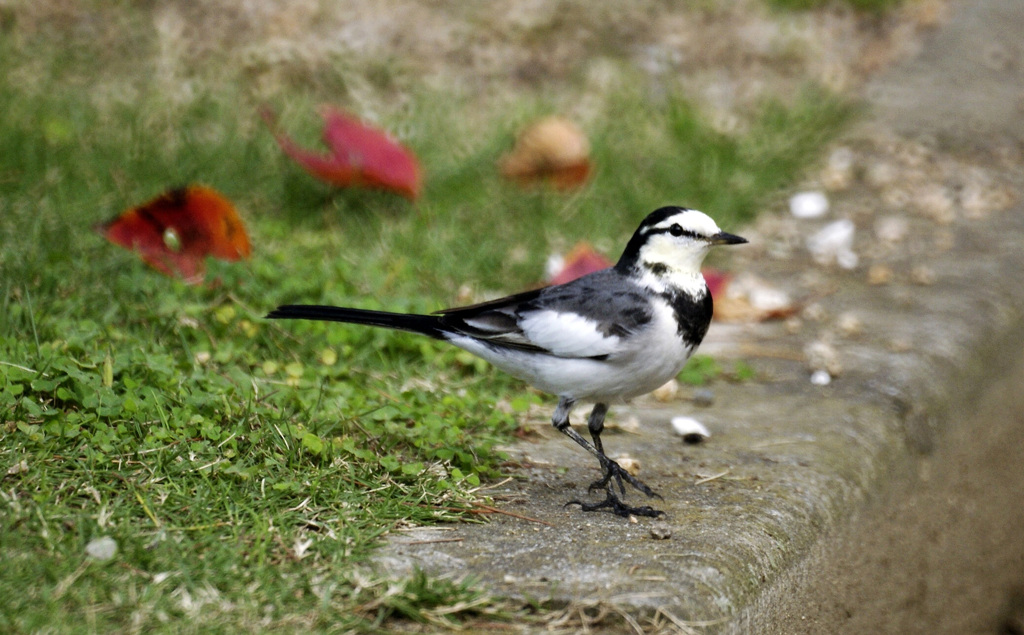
(665, 265)
(692, 284)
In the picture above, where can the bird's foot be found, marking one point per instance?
(619, 473)
(617, 507)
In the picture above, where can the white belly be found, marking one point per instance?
(644, 361)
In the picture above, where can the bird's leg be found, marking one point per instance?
(560, 420)
(611, 469)
(595, 423)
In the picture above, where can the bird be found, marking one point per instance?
(606, 337)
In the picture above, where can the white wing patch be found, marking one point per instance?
(567, 334)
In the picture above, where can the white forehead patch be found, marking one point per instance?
(692, 220)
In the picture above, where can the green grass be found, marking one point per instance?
(247, 469)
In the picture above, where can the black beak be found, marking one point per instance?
(722, 238)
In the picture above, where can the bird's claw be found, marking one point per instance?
(619, 473)
(612, 503)
(617, 507)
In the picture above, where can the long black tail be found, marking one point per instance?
(429, 325)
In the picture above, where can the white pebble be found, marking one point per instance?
(891, 229)
(812, 204)
(690, 429)
(553, 266)
(103, 548)
(847, 259)
(834, 243)
(821, 378)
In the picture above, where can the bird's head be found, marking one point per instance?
(672, 243)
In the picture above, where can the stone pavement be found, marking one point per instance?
(891, 499)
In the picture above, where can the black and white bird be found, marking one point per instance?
(606, 337)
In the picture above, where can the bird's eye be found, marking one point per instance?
(676, 230)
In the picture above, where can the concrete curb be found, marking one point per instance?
(790, 464)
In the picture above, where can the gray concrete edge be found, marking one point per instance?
(788, 463)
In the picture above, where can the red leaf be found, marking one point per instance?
(717, 281)
(359, 156)
(581, 260)
(175, 231)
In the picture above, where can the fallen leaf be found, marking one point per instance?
(359, 156)
(581, 260)
(175, 231)
(552, 150)
(717, 281)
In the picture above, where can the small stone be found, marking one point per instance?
(847, 259)
(923, 275)
(815, 312)
(928, 14)
(812, 204)
(821, 378)
(880, 174)
(823, 356)
(900, 345)
(891, 229)
(794, 325)
(838, 173)
(849, 324)
(833, 243)
(18, 468)
(703, 397)
(629, 424)
(667, 391)
(102, 548)
(944, 240)
(879, 274)
(629, 464)
(936, 203)
(465, 294)
(661, 531)
(981, 196)
(896, 198)
(973, 201)
(912, 154)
